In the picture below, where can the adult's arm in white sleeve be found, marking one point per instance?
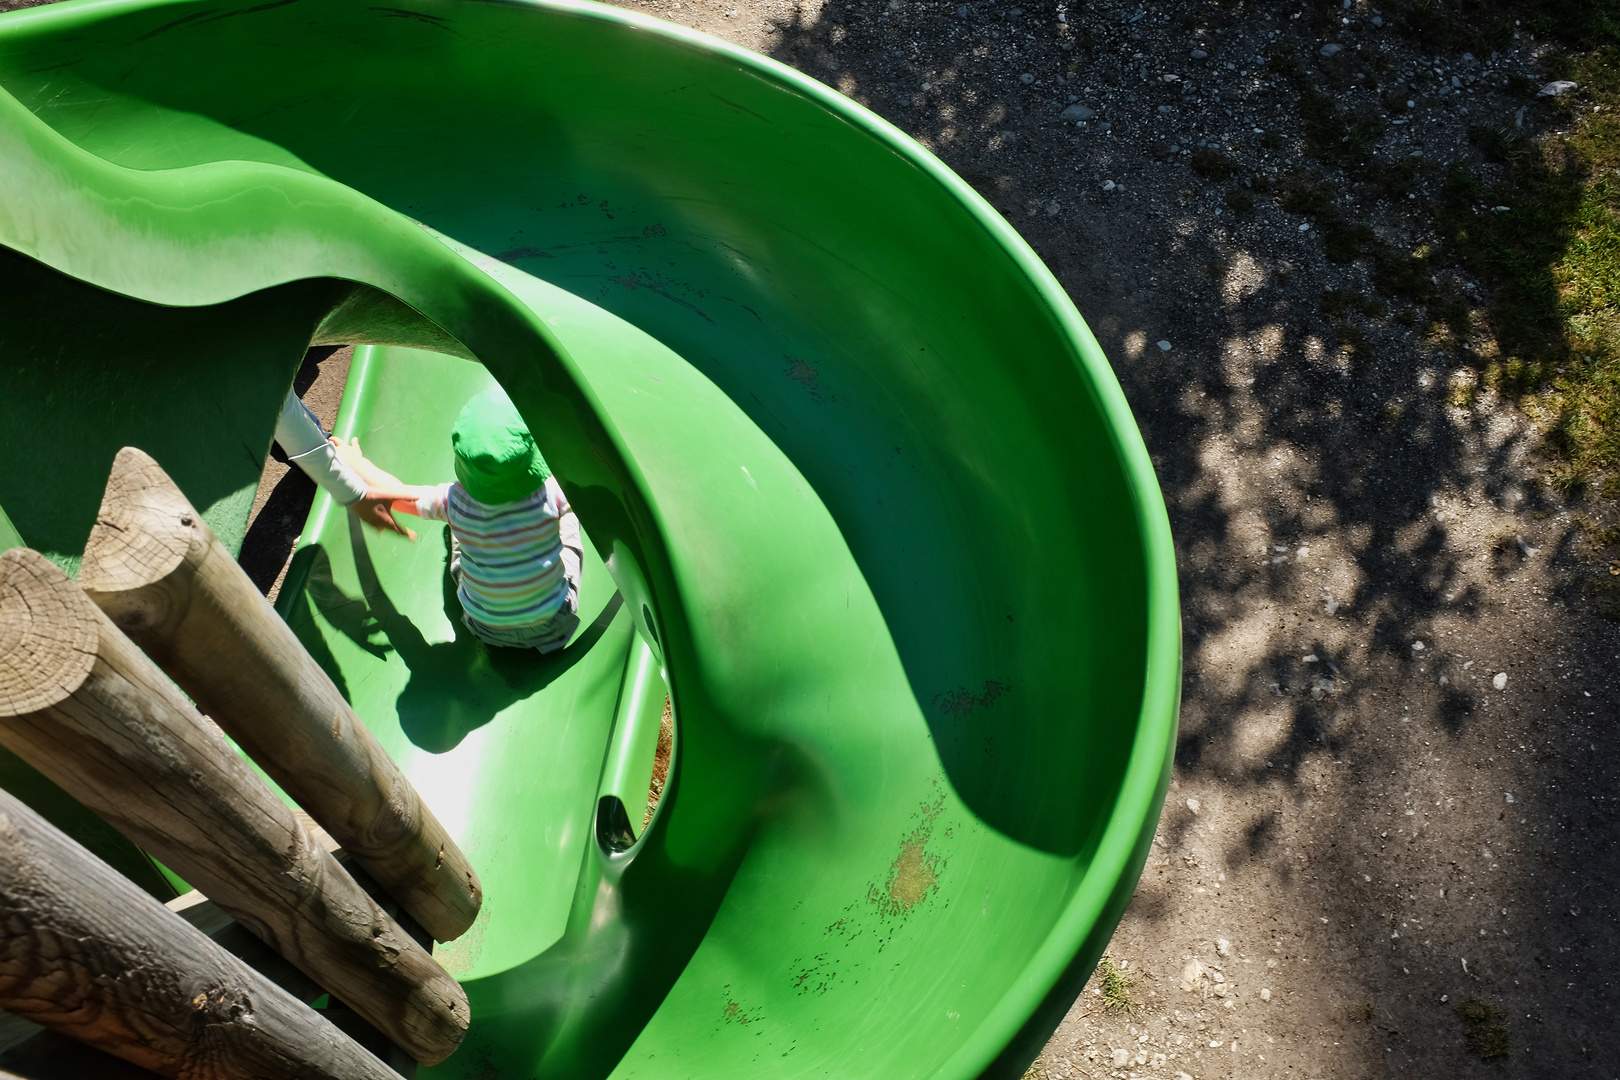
(306, 446)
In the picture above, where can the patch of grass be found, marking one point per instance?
(1397, 179)
(1602, 592)
(1345, 241)
(1338, 303)
(1212, 165)
(1599, 536)
(1116, 986)
(1483, 1030)
(1495, 143)
(1405, 274)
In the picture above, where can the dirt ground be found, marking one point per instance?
(1388, 846)
(1389, 842)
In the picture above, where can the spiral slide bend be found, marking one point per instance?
(859, 488)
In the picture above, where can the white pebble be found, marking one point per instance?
(1120, 1058)
(1265, 994)
(1164, 346)
(1509, 795)
(1305, 227)
(1500, 681)
(1192, 804)
(1109, 185)
(1223, 947)
(1417, 646)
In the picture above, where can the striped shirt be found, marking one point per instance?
(511, 553)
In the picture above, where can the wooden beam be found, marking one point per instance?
(89, 954)
(155, 567)
(84, 706)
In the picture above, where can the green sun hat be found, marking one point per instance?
(496, 459)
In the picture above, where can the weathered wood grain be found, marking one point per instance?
(155, 567)
(87, 953)
(84, 706)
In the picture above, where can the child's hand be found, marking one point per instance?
(375, 507)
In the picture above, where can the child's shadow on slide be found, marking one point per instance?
(455, 686)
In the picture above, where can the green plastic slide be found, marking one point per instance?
(861, 494)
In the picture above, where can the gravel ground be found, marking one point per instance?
(1388, 844)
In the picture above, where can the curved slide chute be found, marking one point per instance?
(860, 489)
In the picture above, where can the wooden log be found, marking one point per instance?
(155, 567)
(87, 953)
(84, 706)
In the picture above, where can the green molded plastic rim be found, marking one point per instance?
(862, 477)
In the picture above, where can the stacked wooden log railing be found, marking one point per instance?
(86, 698)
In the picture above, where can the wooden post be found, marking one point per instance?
(89, 954)
(155, 567)
(84, 706)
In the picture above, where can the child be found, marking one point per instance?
(515, 549)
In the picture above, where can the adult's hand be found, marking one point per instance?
(383, 489)
(378, 512)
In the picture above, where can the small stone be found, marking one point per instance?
(1223, 947)
(1500, 681)
(961, 11)
(1305, 227)
(1121, 1057)
(1192, 976)
(1417, 646)
(1265, 994)
(1192, 804)
(1200, 54)
(1164, 346)
(1331, 49)
(1052, 208)
(1378, 20)
(1109, 185)
(1166, 109)
(1026, 78)
(1509, 795)
(1077, 112)
(1105, 127)
(1557, 88)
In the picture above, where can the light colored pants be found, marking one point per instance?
(548, 635)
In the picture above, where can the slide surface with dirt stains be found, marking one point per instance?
(860, 492)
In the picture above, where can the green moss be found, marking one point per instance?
(1483, 1030)
(1115, 986)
